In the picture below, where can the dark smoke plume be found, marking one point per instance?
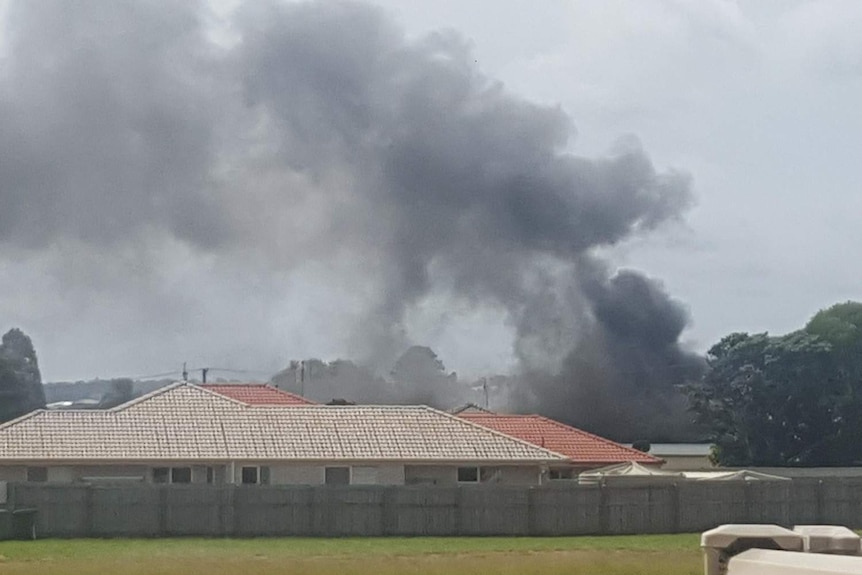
(315, 132)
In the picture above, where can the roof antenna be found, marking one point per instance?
(485, 390)
(185, 372)
(302, 378)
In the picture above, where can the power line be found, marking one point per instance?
(231, 370)
(150, 376)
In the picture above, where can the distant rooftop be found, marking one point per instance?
(257, 394)
(580, 446)
(469, 408)
(680, 449)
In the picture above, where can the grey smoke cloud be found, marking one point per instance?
(319, 133)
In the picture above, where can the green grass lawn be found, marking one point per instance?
(624, 555)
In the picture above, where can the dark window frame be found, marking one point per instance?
(561, 474)
(37, 474)
(468, 474)
(172, 475)
(181, 475)
(243, 477)
(162, 475)
(337, 475)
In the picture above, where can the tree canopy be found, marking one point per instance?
(794, 399)
(20, 381)
(420, 365)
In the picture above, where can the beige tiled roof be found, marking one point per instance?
(185, 422)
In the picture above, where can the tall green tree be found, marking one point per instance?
(21, 388)
(789, 400)
(841, 326)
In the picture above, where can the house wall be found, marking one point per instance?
(13, 473)
(391, 475)
(60, 474)
(384, 474)
(686, 463)
(77, 473)
(304, 474)
(430, 475)
(519, 475)
(448, 474)
(288, 474)
(296, 474)
(81, 472)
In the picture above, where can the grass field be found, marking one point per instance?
(625, 555)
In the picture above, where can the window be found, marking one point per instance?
(181, 474)
(172, 475)
(210, 475)
(468, 475)
(37, 474)
(337, 476)
(363, 475)
(489, 474)
(254, 475)
(249, 475)
(554, 474)
(161, 475)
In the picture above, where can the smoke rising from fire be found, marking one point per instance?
(318, 132)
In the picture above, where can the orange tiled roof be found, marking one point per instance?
(576, 444)
(257, 394)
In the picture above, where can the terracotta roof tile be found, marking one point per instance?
(578, 445)
(257, 394)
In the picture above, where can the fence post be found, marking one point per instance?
(675, 509)
(11, 495)
(385, 511)
(228, 510)
(459, 511)
(163, 510)
(89, 511)
(604, 509)
(532, 516)
(749, 510)
(821, 501)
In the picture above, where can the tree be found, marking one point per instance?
(420, 365)
(789, 400)
(120, 392)
(20, 381)
(642, 445)
(841, 327)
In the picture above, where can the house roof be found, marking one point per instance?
(185, 422)
(469, 408)
(681, 449)
(257, 394)
(579, 446)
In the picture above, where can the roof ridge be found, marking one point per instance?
(594, 436)
(251, 387)
(215, 394)
(231, 383)
(28, 415)
(140, 399)
(496, 432)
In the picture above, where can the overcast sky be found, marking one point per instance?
(757, 101)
